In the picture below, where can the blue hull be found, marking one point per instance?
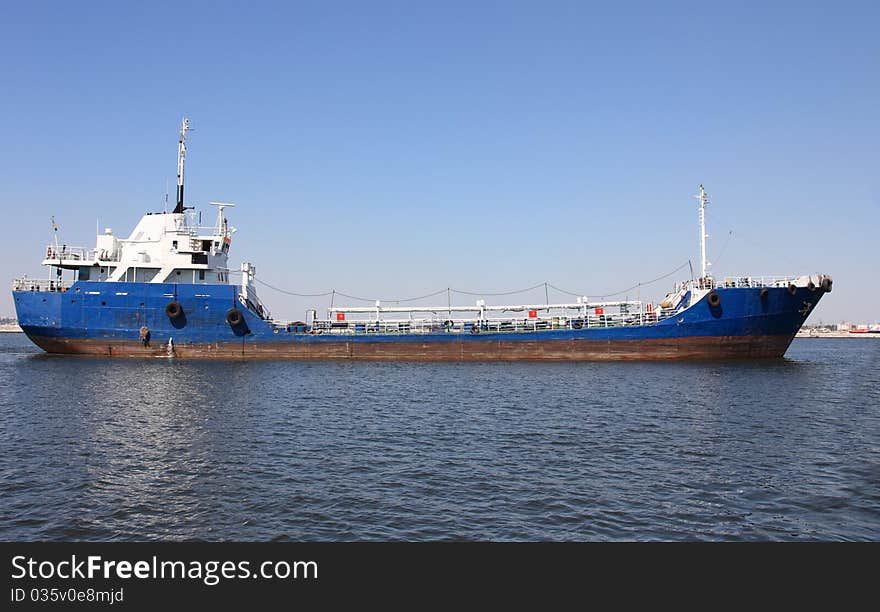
(106, 318)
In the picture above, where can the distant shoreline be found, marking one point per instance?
(15, 329)
(807, 334)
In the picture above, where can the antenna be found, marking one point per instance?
(703, 197)
(222, 230)
(181, 157)
(55, 229)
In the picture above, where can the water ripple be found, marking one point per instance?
(95, 449)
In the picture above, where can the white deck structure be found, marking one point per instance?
(166, 247)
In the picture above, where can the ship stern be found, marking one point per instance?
(39, 314)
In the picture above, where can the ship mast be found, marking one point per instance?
(181, 156)
(703, 197)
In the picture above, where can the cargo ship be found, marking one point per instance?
(167, 291)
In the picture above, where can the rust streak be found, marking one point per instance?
(707, 347)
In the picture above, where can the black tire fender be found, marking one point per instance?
(173, 309)
(713, 299)
(234, 317)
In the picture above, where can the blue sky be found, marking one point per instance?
(391, 149)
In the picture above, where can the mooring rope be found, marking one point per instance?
(449, 290)
(482, 293)
(395, 301)
(274, 288)
(642, 284)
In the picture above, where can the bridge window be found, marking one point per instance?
(84, 274)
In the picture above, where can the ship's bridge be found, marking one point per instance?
(162, 248)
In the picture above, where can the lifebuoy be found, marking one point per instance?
(792, 289)
(234, 317)
(713, 299)
(475, 329)
(826, 285)
(764, 294)
(577, 324)
(173, 310)
(448, 324)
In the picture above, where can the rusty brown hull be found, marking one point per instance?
(692, 348)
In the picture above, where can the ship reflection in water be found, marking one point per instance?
(110, 449)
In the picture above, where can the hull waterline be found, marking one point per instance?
(693, 348)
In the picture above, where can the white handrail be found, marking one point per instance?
(40, 284)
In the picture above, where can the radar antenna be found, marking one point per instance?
(222, 227)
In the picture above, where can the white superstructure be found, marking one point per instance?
(166, 247)
(163, 247)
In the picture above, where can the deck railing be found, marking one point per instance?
(75, 253)
(494, 325)
(41, 284)
(744, 281)
(585, 316)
